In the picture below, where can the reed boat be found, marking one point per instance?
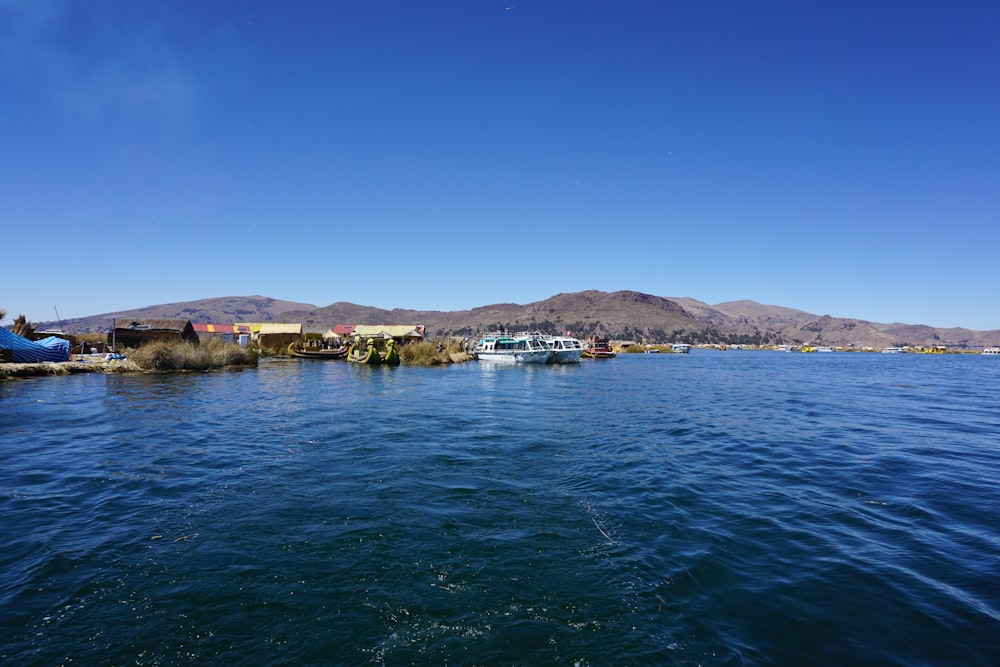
(390, 357)
(297, 350)
(368, 354)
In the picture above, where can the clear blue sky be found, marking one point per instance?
(841, 157)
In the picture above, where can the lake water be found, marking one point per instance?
(715, 508)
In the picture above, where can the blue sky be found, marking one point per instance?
(842, 157)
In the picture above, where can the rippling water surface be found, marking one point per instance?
(716, 508)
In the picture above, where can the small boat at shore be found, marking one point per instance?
(505, 348)
(565, 349)
(599, 347)
(374, 351)
(299, 350)
(390, 356)
(364, 352)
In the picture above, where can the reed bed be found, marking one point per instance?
(432, 353)
(184, 356)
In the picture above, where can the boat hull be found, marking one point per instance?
(391, 356)
(368, 357)
(565, 349)
(518, 349)
(566, 356)
(302, 353)
(515, 357)
(599, 347)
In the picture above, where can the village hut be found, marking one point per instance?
(136, 333)
(227, 333)
(338, 332)
(278, 334)
(402, 333)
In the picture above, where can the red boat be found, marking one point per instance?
(599, 347)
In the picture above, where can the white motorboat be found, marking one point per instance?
(504, 348)
(565, 349)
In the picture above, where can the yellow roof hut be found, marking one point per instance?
(278, 334)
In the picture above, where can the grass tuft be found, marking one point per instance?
(430, 353)
(184, 356)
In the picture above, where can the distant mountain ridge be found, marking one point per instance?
(623, 315)
(221, 310)
(800, 327)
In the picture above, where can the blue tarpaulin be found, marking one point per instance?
(25, 351)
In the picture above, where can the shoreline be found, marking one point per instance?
(83, 364)
(79, 364)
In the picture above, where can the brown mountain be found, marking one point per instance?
(619, 314)
(220, 310)
(746, 318)
(622, 315)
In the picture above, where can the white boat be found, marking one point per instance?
(565, 349)
(504, 348)
(991, 350)
(824, 348)
(682, 348)
(893, 350)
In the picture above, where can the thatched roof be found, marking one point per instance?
(280, 328)
(161, 324)
(133, 333)
(389, 330)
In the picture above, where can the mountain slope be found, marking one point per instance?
(797, 326)
(619, 314)
(625, 315)
(219, 310)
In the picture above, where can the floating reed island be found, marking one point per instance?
(166, 355)
(154, 356)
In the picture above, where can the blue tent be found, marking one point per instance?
(52, 348)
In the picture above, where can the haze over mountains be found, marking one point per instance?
(623, 315)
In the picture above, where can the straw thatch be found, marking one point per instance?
(135, 333)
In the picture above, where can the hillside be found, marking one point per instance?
(622, 315)
(619, 314)
(222, 310)
(795, 326)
